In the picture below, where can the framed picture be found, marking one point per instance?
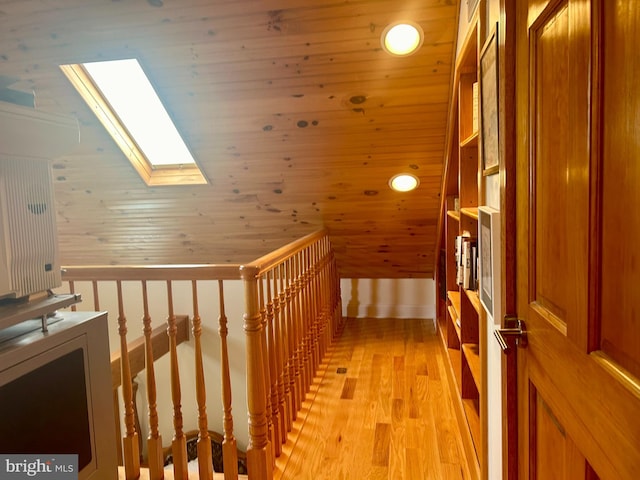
(489, 261)
(489, 126)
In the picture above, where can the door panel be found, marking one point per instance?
(578, 275)
(560, 210)
(620, 311)
(553, 447)
(551, 124)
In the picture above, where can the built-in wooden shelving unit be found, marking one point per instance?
(459, 311)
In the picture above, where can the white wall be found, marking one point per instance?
(494, 354)
(389, 298)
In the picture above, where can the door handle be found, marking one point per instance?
(514, 327)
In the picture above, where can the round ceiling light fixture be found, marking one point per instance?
(404, 182)
(402, 38)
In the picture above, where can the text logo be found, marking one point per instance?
(38, 467)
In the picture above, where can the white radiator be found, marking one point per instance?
(29, 139)
(28, 236)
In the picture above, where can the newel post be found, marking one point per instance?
(259, 453)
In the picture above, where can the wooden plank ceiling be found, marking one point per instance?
(291, 107)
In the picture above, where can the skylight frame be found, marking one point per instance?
(153, 175)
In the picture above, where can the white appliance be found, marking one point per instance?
(29, 139)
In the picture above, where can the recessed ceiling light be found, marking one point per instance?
(402, 39)
(404, 182)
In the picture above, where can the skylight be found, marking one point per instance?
(123, 99)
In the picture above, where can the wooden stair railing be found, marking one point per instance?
(307, 292)
(292, 311)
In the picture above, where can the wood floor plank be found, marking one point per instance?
(349, 388)
(397, 411)
(414, 468)
(389, 416)
(428, 446)
(381, 442)
(397, 450)
(452, 472)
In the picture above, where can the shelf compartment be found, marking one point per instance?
(473, 297)
(468, 178)
(452, 226)
(470, 321)
(454, 298)
(471, 353)
(454, 319)
(468, 108)
(471, 410)
(455, 360)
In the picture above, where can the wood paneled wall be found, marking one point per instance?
(292, 109)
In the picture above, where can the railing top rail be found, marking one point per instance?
(270, 260)
(152, 272)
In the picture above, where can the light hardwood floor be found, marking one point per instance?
(388, 416)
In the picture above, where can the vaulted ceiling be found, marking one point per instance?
(291, 107)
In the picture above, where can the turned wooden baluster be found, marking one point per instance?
(259, 452)
(301, 324)
(72, 290)
(298, 329)
(319, 295)
(276, 340)
(309, 280)
(96, 296)
(332, 299)
(307, 340)
(131, 450)
(311, 313)
(266, 363)
(229, 444)
(205, 459)
(315, 269)
(294, 369)
(336, 302)
(272, 386)
(154, 440)
(284, 342)
(179, 442)
(326, 288)
(337, 297)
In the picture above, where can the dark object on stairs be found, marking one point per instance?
(216, 452)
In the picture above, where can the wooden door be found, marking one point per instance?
(578, 238)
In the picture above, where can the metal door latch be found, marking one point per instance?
(514, 327)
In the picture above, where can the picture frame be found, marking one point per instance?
(489, 261)
(489, 106)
